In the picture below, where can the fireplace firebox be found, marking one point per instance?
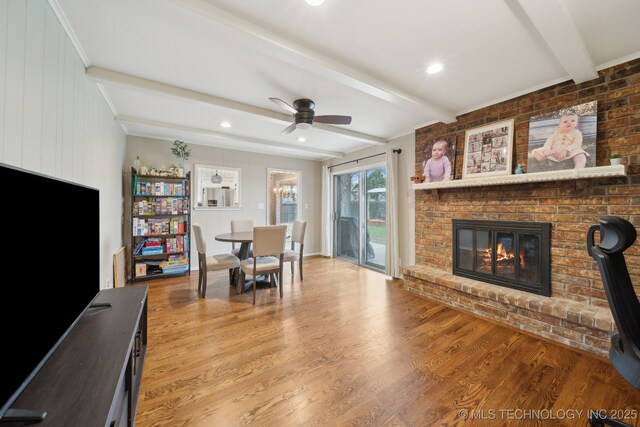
(510, 254)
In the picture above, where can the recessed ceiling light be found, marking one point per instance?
(436, 67)
(314, 2)
(302, 139)
(225, 124)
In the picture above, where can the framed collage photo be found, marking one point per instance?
(488, 150)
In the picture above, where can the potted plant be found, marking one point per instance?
(615, 158)
(181, 150)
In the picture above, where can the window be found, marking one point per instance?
(216, 187)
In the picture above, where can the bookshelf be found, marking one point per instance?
(160, 224)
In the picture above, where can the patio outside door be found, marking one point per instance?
(360, 228)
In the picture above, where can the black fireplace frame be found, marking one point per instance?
(542, 229)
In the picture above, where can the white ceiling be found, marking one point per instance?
(174, 69)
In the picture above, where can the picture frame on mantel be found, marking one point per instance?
(488, 150)
(563, 139)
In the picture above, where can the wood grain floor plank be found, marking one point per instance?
(349, 347)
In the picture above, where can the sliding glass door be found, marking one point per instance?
(360, 229)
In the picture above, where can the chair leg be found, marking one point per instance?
(231, 276)
(200, 265)
(204, 282)
(292, 268)
(280, 275)
(300, 260)
(240, 277)
(255, 280)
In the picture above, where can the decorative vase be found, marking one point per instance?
(616, 161)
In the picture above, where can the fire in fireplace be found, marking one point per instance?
(511, 254)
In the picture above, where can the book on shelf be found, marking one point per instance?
(139, 246)
(154, 241)
(153, 250)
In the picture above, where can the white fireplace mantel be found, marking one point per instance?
(569, 174)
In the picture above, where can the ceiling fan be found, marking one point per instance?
(304, 115)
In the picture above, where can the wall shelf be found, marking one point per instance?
(525, 178)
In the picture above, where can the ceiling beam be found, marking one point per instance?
(304, 57)
(553, 23)
(351, 134)
(124, 119)
(151, 86)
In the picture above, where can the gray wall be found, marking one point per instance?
(53, 120)
(155, 152)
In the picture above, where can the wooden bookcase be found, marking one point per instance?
(160, 214)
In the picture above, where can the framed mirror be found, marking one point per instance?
(216, 187)
(283, 194)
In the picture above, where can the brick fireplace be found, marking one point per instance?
(506, 253)
(577, 313)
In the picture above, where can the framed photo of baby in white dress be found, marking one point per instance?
(563, 139)
(488, 150)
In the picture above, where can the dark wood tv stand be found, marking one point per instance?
(93, 378)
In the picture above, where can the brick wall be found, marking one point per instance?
(570, 206)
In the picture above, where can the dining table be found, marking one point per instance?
(245, 238)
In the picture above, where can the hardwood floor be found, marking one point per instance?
(347, 347)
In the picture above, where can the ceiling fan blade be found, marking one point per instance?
(279, 102)
(288, 129)
(333, 120)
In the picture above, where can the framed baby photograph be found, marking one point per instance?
(563, 139)
(488, 150)
(440, 159)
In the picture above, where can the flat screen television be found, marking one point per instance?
(50, 242)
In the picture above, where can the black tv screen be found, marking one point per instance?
(50, 244)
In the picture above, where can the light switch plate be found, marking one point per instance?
(261, 206)
(306, 205)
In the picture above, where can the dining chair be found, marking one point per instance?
(268, 255)
(239, 226)
(297, 236)
(212, 263)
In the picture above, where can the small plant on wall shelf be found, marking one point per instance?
(181, 150)
(615, 158)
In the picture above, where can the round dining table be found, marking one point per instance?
(244, 238)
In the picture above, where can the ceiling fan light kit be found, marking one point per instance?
(304, 116)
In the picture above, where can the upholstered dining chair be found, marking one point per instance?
(268, 255)
(212, 263)
(239, 226)
(297, 236)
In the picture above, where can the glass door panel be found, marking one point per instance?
(376, 215)
(347, 205)
(360, 226)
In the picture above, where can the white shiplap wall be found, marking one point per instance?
(54, 120)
